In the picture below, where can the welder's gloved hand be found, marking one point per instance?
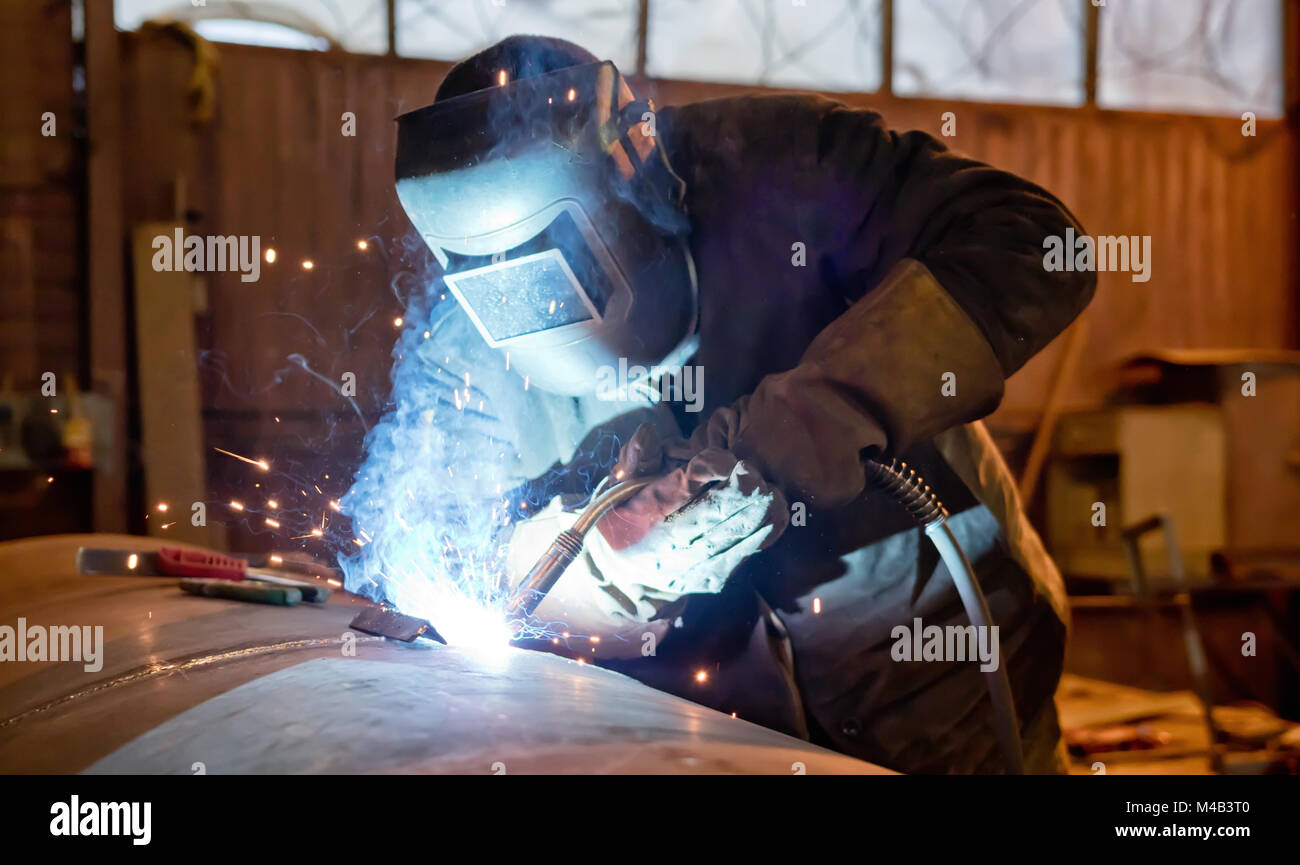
(584, 601)
(872, 382)
(687, 531)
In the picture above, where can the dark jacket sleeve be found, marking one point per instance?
(978, 230)
(941, 260)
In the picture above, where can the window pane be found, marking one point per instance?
(357, 25)
(455, 29)
(1211, 56)
(990, 50)
(820, 44)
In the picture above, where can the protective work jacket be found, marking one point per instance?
(861, 291)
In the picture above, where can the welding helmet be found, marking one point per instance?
(559, 224)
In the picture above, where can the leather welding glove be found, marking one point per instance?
(689, 530)
(899, 366)
(585, 601)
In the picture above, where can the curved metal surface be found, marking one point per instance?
(250, 688)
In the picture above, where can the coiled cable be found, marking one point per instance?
(910, 490)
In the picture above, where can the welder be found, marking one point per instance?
(839, 291)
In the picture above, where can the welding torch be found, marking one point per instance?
(567, 546)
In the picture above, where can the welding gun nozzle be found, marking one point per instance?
(566, 547)
(545, 574)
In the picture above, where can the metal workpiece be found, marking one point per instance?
(237, 687)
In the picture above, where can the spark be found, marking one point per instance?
(270, 255)
(50, 479)
(501, 78)
(237, 506)
(397, 322)
(334, 505)
(275, 560)
(362, 245)
(308, 264)
(316, 533)
(701, 676)
(573, 94)
(261, 464)
(272, 523)
(272, 504)
(162, 507)
(131, 561)
(817, 605)
(335, 583)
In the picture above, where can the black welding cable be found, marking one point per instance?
(911, 491)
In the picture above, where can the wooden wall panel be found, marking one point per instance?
(39, 197)
(1220, 209)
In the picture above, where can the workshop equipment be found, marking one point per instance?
(1192, 643)
(253, 591)
(197, 564)
(387, 622)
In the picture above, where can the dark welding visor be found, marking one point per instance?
(551, 207)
